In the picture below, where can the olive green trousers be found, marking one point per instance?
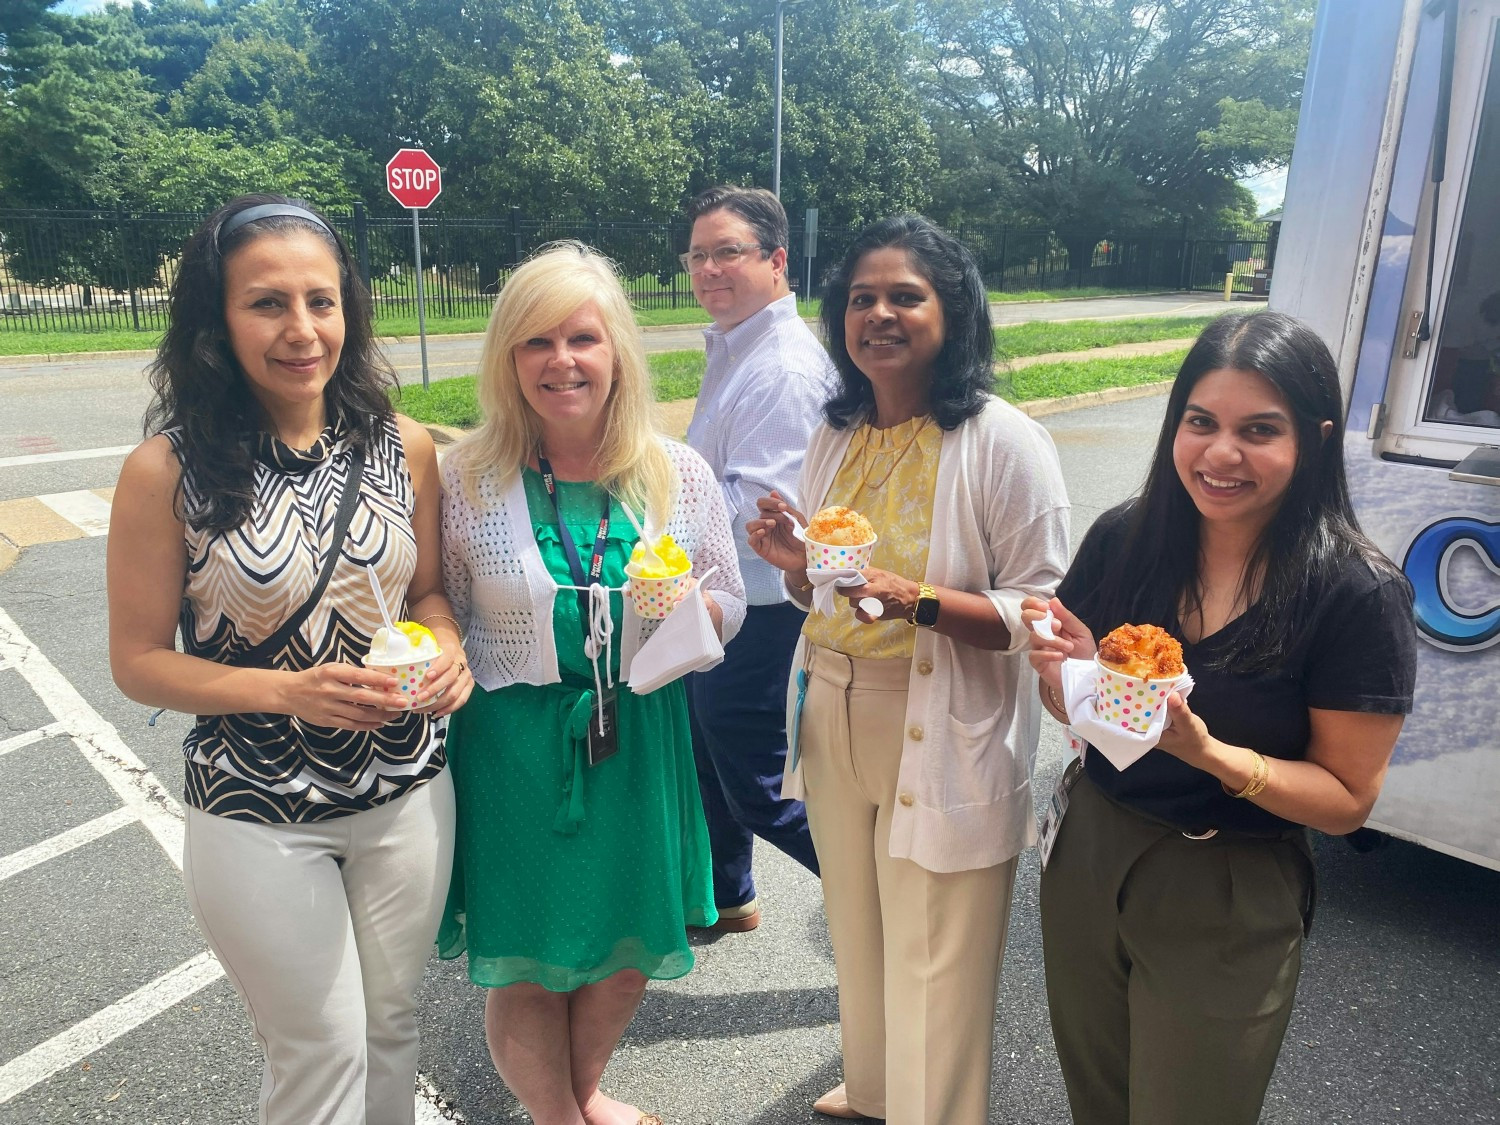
(1171, 964)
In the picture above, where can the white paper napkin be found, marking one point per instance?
(826, 583)
(1122, 748)
(684, 642)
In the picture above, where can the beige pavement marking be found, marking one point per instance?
(65, 455)
(85, 509)
(673, 417)
(29, 522)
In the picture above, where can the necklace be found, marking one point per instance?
(869, 453)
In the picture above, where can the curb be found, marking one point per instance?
(1041, 407)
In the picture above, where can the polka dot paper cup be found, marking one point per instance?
(409, 675)
(654, 598)
(830, 556)
(1129, 702)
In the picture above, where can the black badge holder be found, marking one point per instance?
(604, 732)
(260, 656)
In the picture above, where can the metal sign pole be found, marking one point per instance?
(416, 238)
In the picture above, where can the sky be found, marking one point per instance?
(1269, 188)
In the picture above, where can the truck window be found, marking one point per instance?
(1465, 383)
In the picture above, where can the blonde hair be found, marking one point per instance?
(548, 288)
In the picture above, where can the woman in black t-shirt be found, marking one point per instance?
(1176, 896)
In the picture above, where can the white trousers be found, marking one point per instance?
(324, 929)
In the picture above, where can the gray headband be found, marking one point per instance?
(266, 211)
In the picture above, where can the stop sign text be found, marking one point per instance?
(413, 178)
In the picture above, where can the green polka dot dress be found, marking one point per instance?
(565, 873)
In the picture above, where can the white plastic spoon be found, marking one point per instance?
(648, 551)
(394, 648)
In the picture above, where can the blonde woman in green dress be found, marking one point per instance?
(580, 860)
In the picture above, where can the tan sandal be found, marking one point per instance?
(835, 1103)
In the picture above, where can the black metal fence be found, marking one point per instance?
(93, 270)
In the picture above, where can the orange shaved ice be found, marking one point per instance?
(840, 527)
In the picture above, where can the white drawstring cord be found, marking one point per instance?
(601, 639)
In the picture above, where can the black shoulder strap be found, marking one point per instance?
(260, 655)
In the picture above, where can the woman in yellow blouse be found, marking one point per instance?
(918, 725)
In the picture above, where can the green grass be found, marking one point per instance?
(677, 375)
(1007, 296)
(105, 340)
(1058, 380)
(454, 402)
(1039, 337)
(30, 342)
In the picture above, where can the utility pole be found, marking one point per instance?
(776, 163)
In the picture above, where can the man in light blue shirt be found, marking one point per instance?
(763, 392)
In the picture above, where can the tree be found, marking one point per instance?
(1092, 115)
(854, 140)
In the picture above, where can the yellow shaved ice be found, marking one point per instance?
(416, 633)
(674, 557)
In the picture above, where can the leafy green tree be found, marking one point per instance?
(1088, 116)
(854, 140)
(253, 88)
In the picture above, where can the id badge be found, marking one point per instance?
(605, 745)
(1057, 807)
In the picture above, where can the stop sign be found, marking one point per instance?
(413, 178)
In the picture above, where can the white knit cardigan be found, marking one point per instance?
(999, 528)
(503, 596)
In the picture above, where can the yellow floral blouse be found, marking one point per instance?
(890, 476)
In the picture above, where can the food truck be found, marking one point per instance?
(1390, 249)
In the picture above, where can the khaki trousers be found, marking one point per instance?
(325, 929)
(1171, 965)
(917, 952)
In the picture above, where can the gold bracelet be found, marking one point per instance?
(1258, 776)
(801, 588)
(457, 628)
(1052, 695)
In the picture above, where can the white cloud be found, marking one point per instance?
(1268, 187)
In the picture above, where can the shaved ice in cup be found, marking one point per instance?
(1136, 668)
(654, 590)
(839, 538)
(407, 652)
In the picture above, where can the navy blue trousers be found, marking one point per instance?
(738, 713)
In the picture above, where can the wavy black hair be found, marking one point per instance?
(200, 389)
(964, 370)
(1312, 531)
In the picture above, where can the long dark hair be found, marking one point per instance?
(965, 367)
(200, 389)
(1313, 529)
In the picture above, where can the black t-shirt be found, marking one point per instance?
(1357, 653)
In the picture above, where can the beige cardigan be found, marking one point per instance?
(999, 527)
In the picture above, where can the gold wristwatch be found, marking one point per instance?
(925, 612)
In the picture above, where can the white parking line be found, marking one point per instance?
(41, 734)
(106, 1025)
(64, 455)
(64, 842)
(83, 509)
(146, 800)
(126, 774)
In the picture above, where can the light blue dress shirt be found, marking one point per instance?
(763, 392)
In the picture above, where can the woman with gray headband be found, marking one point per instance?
(278, 485)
